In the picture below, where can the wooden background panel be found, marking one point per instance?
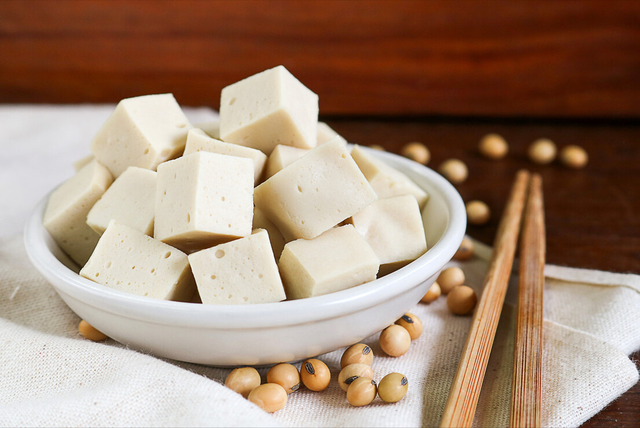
(461, 57)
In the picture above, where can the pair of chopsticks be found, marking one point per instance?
(526, 195)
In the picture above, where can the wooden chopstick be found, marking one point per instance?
(467, 383)
(526, 393)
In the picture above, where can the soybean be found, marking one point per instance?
(395, 340)
(243, 380)
(270, 397)
(462, 300)
(542, 151)
(478, 212)
(393, 387)
(417, 152)
(493, 146)
(362, 391)
(454, 170)
(90, 332)
(358, 353)
(412, 324)
(574, 157)
(450, 278)
(433, 293)
(465, 251)
(315, 374)
(286, 375)
(353, 372)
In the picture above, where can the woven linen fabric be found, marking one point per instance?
(53, 377)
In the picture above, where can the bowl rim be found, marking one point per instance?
(261, 315)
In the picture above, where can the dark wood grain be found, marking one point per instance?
(557, 58)
(592, 215)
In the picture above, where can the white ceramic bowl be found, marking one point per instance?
(230, 335)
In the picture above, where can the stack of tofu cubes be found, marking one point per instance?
(264, 205)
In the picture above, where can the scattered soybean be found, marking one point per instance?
(450, 278)
(395, 340)
(462, 300)
(454, 170)
(90, 332)
(362, 391)
(433, 293)
(243, 380)
(358, 353)
(412, 324)
(393, 387)
(286, 375)
(353, 372)
(315, 374)
(270, 397)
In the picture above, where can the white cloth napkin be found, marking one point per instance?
(53, 377)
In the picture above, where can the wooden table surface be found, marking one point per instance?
(592, 215)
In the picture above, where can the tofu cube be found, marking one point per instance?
(313, 194)
(142, 131)
(338, 259)
(393, 228)
(130, 201)
(77, 165)
(281, 157)
(385, 180)
(203, 199)
(66, 214)
(240, 272)
(275, 236)
(130, 261)
(267, 109)
(325, 133)
(198, 140)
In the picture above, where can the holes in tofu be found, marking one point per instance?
(213, 277)
(232, 100)
(181, 125)
(167, 254)
(188, 218)
(107, 265)
(219, 254)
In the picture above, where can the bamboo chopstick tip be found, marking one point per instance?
(536, 178)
